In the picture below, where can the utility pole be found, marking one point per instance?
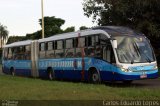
(42, 19)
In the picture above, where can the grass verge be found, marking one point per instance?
(19, 88)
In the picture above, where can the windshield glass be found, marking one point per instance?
(134, 50)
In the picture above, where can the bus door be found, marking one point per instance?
(108, 56)
(107, 53)
(34, 59)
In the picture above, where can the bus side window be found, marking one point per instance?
(109, 54)
(5, 53)
(90, 44)
(91, 40)
(42, 47)
(59, 52)
(42, 50)
(50, 50)
(108, 51)
(10, 53)
(50, 45)
(97, 41)
(55, 47)
(69, 51)
(113, 60)
(97, 47)
(14, 53)
(75, 42)
(81, 42)
(19, 53)
(27, 52)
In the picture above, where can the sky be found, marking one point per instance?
(21, 16)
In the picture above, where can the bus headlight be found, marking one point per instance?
(124, 70)
(155, 67)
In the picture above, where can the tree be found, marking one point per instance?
(142, 15)
(12, 39)
(52, 25)
(83, 28)
(33, 36)
(69, 29)
(3, 34)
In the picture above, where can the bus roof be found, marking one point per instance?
(118, 31)
(109, 31)
(73, 34)
(20, 43)
(59, 37)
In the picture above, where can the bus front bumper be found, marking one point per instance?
(114, 76)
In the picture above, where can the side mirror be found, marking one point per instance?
(114, 42)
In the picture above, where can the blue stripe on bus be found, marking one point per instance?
(109, 76)
(76, 74)
(71, 72)
(65, 74)
(23, 72)
(19, 72)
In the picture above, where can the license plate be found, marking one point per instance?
(143, 76)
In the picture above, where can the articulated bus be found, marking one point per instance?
(105, 53)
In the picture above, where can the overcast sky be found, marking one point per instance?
(21, 16)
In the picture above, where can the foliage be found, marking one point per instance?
(69, 29)
(3, 34)
(35, 35)
(142, 15)
(52, 25)
(83, 28)
(12, 39)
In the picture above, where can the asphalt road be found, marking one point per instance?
(148, 83)
(151, 83)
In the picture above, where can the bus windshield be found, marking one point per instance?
(134, 50)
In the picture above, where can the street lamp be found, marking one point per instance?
(42, 19)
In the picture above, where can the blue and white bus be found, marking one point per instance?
(106, 53)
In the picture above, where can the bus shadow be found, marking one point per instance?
(123, 85)
(113, 84)
(117, 84)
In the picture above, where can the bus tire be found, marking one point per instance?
(94, 76)
(12, 71)
(51, 75)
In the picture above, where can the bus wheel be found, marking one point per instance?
(51, 75)
(94, 77)
(12, 71)
(127, 82)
